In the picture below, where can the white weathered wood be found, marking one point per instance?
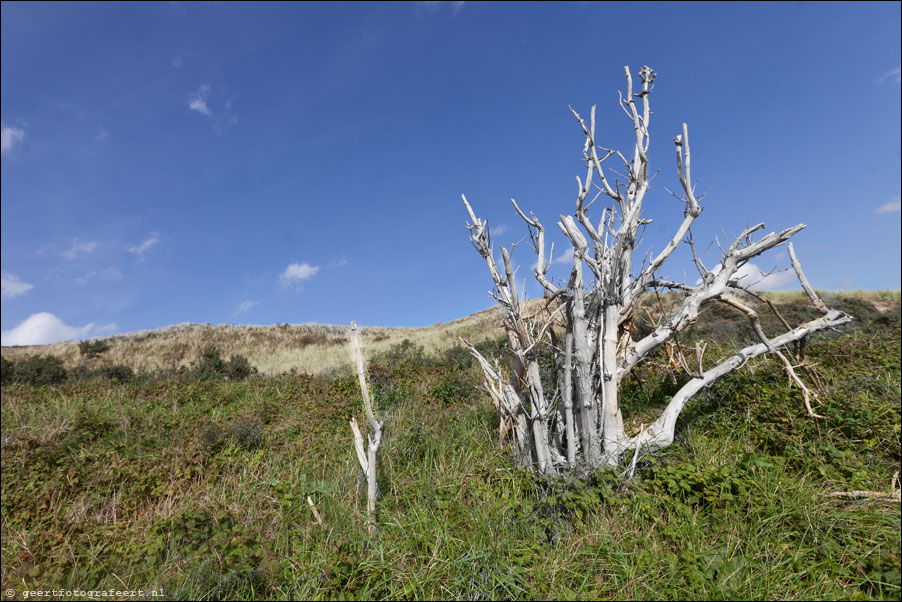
(358, 446)
(809, 290)
(374, 437)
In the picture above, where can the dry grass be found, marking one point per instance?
(310, 348)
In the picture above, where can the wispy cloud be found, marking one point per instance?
(230, 116)
(750, 275)
(245, 306)
(296, 273)
(223, 117)
(13, 286)
(499, 229)
(176, 62)
(432, 7)
(79, 248)
(197, 101)
(565, 257)
(10, 137)
(894, 74)
(44, 328)
(71, 108)
(101, 135)
(151, 240)
(111, 274)
(890, 207)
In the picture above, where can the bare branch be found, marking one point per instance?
(756, 326)
(797, 266)
(661, 432)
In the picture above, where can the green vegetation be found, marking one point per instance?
(198, 484)
(91, 349)
(36, 371)
(211, 366)
(49, 369)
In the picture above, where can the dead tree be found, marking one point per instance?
(580, 423)
(367, 459)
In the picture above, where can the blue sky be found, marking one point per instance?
(265, 163)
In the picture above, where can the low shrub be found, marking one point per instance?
(117, 372)
(238, 368)
(211, 366)
(7, 370)
(404, 353)
(453, 389)
(91, 349)
(40, 370)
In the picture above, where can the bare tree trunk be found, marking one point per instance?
(586, 402)
(568, 397)
(612, 419)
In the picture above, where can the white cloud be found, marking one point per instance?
(296, 273)
(79, 248)
(9, 138)
(44, 328)
(499, 229)
(12, 286)
(197, 101)
(565, 257)
(246, 306)
(139, 250)
(890, 207)
(102, 135)
(751, 276)
(895, 74)
(176, 62)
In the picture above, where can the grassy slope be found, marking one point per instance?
(310, 348)
(200, 488)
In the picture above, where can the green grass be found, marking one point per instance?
(200, 488)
